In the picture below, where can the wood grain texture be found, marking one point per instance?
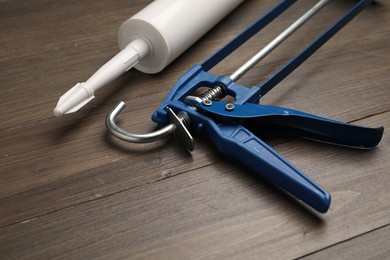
(371, 245)
(69, 190)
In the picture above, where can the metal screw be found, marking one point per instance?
(207, 102)
(229, 107)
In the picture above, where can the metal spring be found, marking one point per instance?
(184, 118)
(215, 93)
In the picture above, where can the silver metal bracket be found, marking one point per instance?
(182, 121)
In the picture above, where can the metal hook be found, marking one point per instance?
(178, 126)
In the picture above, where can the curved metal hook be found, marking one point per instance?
(177, 127)
(131, 137)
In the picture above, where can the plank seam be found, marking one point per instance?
(343, 241)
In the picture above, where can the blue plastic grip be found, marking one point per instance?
(240, 143)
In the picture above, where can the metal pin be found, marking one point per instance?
(230, 107)
(207, 102)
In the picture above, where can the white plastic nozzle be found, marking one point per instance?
(82, 93)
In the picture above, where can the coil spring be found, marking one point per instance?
(215, 93)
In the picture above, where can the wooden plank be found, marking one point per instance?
(372, 245)
(55, 162)
(62, 178)
(219, 211)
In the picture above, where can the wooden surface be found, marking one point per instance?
(69, 190)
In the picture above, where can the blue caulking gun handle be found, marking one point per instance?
(285, 121)
(236, 141)
(227, 131)
(240, 143)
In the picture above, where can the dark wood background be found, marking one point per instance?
(70, 190)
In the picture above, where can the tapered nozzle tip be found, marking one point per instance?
(57, 112)
(74, 99)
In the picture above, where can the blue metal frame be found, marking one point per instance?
(229, 130)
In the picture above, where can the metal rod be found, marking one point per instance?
(277, 41)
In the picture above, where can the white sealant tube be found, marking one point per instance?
(170, 27)
(150, 41)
